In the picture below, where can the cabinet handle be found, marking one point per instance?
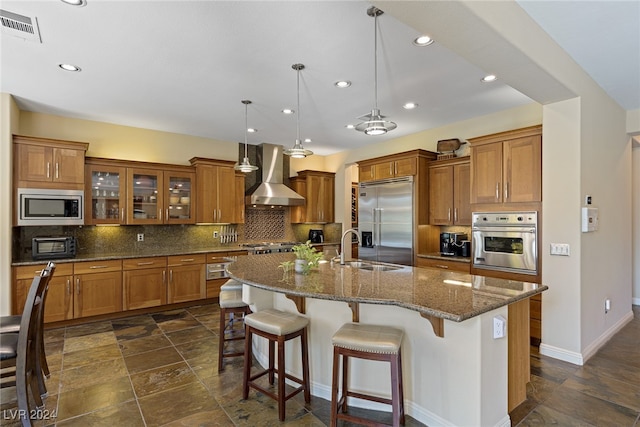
(506, 190)
(391, 168)
(48, 170)
(449, 215)
(170, 276)
(159, 214)
(187, 260)
(497, 191)
(446, 267)
(214, 215)
(166, 214)
(219, 215)
(455, 214)
(68, 287)
(122, 214)
(164, 276)
(146, 263)
(78, 286)
(93, 267)
(57, 170)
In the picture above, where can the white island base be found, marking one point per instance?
(457, 380)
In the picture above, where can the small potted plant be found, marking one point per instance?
(307, 257)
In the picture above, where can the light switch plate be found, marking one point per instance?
(561, 249)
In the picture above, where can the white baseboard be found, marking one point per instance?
(590, 350)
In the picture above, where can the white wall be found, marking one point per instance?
(561, 224)
(636, 224)
(9, 115)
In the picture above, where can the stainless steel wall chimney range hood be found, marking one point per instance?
(270, 188)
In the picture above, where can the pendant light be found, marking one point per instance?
(245, 166)
(376, 125)
(298, 151)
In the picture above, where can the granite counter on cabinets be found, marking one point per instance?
(442, 294)
(455, 373)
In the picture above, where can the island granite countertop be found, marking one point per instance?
(443, 294)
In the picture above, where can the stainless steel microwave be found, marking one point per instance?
(50, 207)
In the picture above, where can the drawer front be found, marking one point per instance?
(97, 266)
(216, 257)
(176, 260)
(138, 263)
(28, 271)
(444, 264)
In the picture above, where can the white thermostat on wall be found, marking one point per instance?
(589, 219)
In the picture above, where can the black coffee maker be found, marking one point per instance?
(316, 236)
(451, 244)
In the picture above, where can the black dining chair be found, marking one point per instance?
(21, 350)
(11, 324)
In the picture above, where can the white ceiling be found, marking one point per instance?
(184, 66)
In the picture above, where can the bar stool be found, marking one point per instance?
(371, 342)
(230, 303)
(276, 326)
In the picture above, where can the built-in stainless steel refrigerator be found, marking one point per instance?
(385, 220)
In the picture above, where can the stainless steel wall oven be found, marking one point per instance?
(505, 241)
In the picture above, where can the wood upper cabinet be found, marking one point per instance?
(105, 193)
(186, 278)
(144, 282)
(507, 167)
(449, 192)
(388, 167)
(98, 288)
(239, 198)
(318, 189)
(48, 163)
(216, 192)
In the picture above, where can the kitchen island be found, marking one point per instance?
(455, 372)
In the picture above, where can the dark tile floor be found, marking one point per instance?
(161, 370)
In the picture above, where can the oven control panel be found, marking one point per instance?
(504, 218)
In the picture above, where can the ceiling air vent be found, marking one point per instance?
(20, 26)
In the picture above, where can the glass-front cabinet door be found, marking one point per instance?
(179, 197)
(145, 198)
(105, 194)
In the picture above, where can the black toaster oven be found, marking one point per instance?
(53, 247)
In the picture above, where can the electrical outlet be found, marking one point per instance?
(499, 327)
(215, 234)
(140, 237)
(561, 249)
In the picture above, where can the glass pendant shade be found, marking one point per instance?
(245, 166)
(376, 125)
(298, 151)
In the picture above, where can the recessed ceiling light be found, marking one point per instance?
(252, 130)
(410, 106)
(307, 140)
(288, 111)
(350, 126)
(423, 41)
(69, 67)
(489, 78)
(75, 2)
(342, 84)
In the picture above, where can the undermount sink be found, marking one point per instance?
(372, 267)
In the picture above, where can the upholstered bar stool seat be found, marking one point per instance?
(370, 342)
(230, 304)
(277, 327)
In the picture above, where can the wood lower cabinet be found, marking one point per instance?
(98, 288)
(59, 299)
(48, 163)
(535, 321)
(186, 278)
(444, 264)
(144, 282)
(449, 192)
(507, 167)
